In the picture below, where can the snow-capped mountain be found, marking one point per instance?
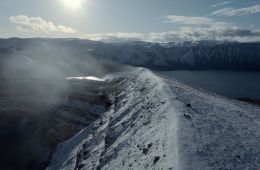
(158, 123)
(188, 55)
(169, 56)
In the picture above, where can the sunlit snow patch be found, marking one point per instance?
(85, 78)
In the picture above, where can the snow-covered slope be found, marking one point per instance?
(158, 123)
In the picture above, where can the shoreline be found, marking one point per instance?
(251, 101)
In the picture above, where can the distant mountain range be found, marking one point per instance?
(212, 55)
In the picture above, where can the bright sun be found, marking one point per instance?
(72, 4)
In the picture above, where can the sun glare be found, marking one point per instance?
(72, 4)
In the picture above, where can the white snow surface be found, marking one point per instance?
(159, 123)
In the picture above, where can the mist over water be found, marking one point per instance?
(85, 78)
(49, 60)
(38, 64)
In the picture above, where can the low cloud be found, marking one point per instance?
(221, 4)
(39, 26)
(115, 37)
(183, 34)
(197, 34)
(237, 11)
(203, 28)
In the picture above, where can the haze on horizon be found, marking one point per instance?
(132, 20)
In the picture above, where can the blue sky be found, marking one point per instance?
(127, 20)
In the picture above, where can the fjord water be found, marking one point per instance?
(233, 84)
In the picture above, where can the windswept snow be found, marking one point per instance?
(159, 123)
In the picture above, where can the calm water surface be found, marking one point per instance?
(231, 84)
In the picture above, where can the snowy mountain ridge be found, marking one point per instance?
(159, 123)
(111, 135)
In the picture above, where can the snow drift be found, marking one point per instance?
(158, 123)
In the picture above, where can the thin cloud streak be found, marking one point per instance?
(221, 4)
(228, 12)
(187, 20)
